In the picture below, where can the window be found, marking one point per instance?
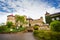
(57, 18)
(53, 19)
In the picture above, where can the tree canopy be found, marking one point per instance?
(20, 19)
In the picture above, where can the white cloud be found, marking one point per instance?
(3, 17)
(53, 10)
(33, 9)
(2, 0)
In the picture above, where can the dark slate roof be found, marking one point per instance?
(29, 19)
(55, 14)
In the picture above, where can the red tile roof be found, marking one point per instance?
(10, 15)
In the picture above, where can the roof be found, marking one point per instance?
(47, 13)
(29, 19)
(10, 15)
(55, 14)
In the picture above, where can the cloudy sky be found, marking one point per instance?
(31, 8)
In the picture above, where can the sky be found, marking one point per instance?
(31, 8)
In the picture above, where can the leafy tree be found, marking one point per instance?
(20, 19)
(17, 19)
(9, 24)
(55, 26)
(48, 19)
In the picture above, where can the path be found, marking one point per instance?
(18, 36)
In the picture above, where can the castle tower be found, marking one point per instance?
(41, 19)
(11, 18)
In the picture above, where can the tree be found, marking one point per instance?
(55, 26)
(9, 24)
(48, 19)
(20, 19)
(17, 19)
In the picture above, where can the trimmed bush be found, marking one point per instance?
(21, 28)
(55, 26)
(36, 27)
(47, 35)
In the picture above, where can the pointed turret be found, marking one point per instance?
(47, 14)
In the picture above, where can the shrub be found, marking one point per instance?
(36, 32)
(47, 35)
(36, 27)
(55, 26)
(20, 29)
(9, 24)
(42, 35)
(3, 28)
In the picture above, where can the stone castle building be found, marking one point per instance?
(11, 18)
(51, 17)
(33, 22)
(30, 21)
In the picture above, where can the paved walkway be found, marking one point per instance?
(18, 36)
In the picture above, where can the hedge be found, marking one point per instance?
(46, 35)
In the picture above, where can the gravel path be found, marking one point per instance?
(18, 36)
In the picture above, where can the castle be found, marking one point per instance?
(30, 21)
(51, 17)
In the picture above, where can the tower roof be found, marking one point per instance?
(47, 13)
(10, 15)
(29, 19)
